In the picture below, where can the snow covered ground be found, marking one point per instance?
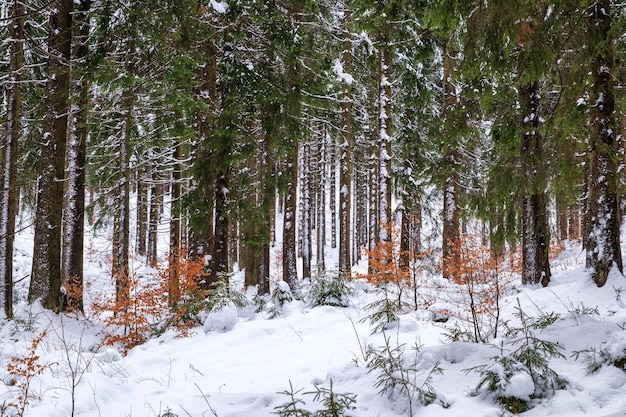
(245, 371)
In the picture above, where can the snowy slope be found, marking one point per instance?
(242, 372)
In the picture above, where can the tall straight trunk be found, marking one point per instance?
(450, 219)
(290, 271)
(153, 222)
(374, 201)
(574, 228)
(121, 224)
(345, 149)
(603, 250)
(10, 192)
(384, 133)
(305, 226)
(293, 132)
(74, 214)
(535, 232)
(201, 235)
(332, 185)
(268, 209)
(45, 282)
(219, 259)
(175, 227)
(362, 202)
(250, 222)
(141, 230)
(320, 227)
(410, 236)
(561, 217)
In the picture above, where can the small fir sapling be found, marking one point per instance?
(328, 288)
(518, 380)
(280, 296)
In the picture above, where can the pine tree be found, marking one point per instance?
(74, 213)
(603, 250)
(10, 192)
(45, 283)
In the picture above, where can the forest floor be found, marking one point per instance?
(243, 363)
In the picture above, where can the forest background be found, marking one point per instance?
(437, 119)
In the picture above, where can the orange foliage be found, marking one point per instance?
(154, 305)
(481, 282)
(384, 261)
(22, 370)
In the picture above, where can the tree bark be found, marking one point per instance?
(603, 250)
(74, 214)
(175, 227)
(535, 232)
(10, 191)
(141, 230)
(451, 232)
(153, 223)
(290, 271)
(345, 150)
(45, 282)
(121, 224)
(384, 132)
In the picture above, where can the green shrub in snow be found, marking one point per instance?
(329, 289)
(522, 376)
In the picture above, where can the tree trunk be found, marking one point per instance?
(45, 282)
(306, 185)
(219, 259)
(451, 233)
(10, 192)
(290, 271)
(320, 228)
(175, 227)
(535, 232)
(74, 214)
(345, 149)
(142, 214)
(332, 185)
(384, 132)
(603, 249)
(153, 222)
(561, 217)
(121, 224)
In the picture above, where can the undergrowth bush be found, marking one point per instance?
(280, 296)
(172, 298)
(329, 288)
(399, 377)
(480, 281)
(522, 376)
(333, 404)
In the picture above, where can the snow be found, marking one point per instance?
(238, 363)
(220, 7)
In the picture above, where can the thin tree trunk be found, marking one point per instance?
(74, 214)
(451, 232)
(345, 149)
(142, 215)
(121, 225)
(219, 260)
(535, 232)
(10, 193)
(153, 223)
(45, 282)
(175, 228)
(384, 132)
(321, 203)
(603, 250)
(332, 184)
(290, 271)
(306, 185)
